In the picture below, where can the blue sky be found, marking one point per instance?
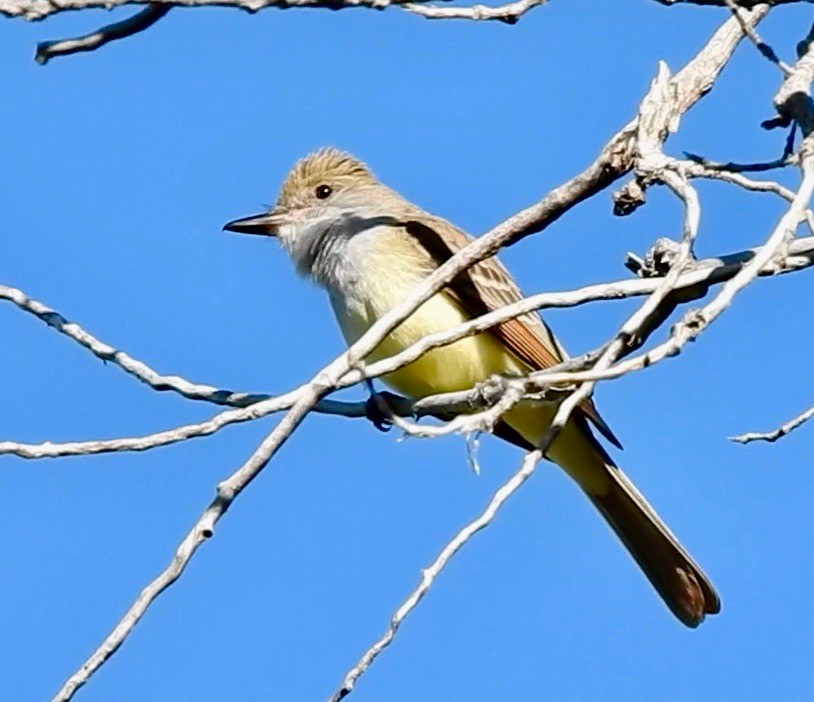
(120, 168)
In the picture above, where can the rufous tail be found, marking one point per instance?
(675, 575)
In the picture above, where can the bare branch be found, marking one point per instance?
(787, 158)
(429, 574)
(779, 433)
(142, 20)
(134, 367)
(202, 530)
(509, 13)
(50, 449)
(698, 279)
(696, 321)
(34, 10)
(468, 422)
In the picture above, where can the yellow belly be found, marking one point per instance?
(463, 364)
(457, 366)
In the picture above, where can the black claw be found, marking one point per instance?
(376, 414)
(377, 406)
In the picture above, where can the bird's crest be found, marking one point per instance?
(327, 165)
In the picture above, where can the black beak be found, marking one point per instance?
(265, 224)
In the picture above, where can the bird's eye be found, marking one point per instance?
(323, 191)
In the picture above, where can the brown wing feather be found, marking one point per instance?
(527, 337)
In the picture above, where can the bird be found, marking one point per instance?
(368, 247)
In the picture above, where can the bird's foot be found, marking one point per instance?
(378, 409)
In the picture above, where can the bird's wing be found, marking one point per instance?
(488, 286)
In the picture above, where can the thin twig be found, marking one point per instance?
(202, 530)
(142, 20)
(694, 169)
(134, 367)
(765, 50)
(431, 572)
(784, 161)
(779, 433)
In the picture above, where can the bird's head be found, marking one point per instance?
(320, 188)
